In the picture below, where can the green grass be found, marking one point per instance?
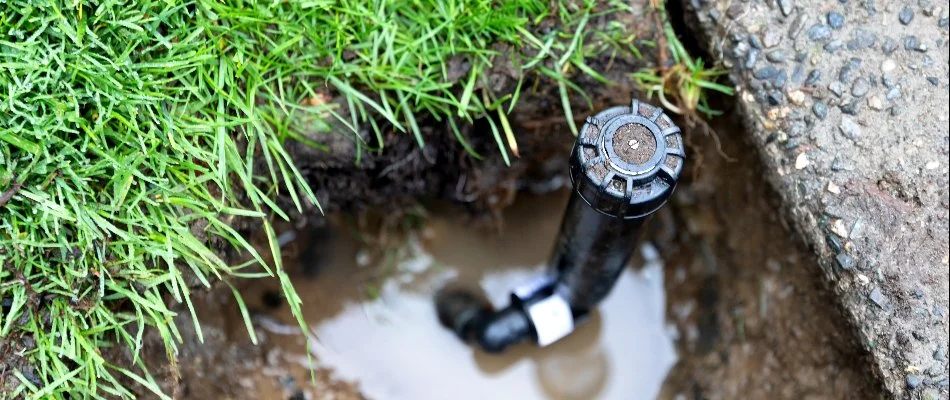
(681, 88)
(130, 132)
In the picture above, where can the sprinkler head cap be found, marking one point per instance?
(627, 159)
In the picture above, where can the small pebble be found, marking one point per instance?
(813, 77)
(796, 97)
(820, 110)
(876, 103)
(889, 80)
(766, 72)
(846, 75)
(896, 111)
(893, 93)
(795, 28)
(860, 87)
(786, 6)
(932, 394)
(780, 79)
(835, 20)
(933, 80)
(755, 42)
(751, 59)
(906, 15)
(837, 88)
(888, 65)
(735, 10)
(914, 381)
(851, 108)
(863, 39)
(944, 22)
(740, 50)
(878, 298)
(889, 46)
(776, 98)
(849, 128)
(796, 129)
(801, 161)
(798, 74)
(833, 188)
(819, 33)
(776, 56)
(911, 42)
(838, 228)
(833, 46)
(845, 261)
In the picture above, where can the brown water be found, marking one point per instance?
(375, 325)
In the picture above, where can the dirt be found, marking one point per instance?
(634, 144)
(754, 319)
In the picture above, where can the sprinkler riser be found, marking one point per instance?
(624, 167)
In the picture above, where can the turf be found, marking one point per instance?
(131, 130)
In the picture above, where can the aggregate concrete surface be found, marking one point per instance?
(847, 104)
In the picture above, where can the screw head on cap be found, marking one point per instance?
(627, 159)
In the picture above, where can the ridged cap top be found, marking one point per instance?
(627, 159)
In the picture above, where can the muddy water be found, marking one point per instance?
(374, 325)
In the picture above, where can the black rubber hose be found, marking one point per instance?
(473, 320)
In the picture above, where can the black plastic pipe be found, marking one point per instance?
(624, 167)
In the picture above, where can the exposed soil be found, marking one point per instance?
(754, 318)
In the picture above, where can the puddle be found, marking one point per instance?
(376, 327)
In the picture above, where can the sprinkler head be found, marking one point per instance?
(627, 160)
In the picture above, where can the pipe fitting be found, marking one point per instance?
(624, 166)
